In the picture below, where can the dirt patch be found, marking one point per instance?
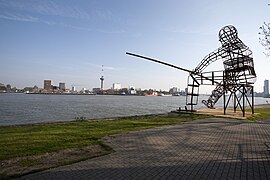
(24, 165)
(230, 112)
(219, 112)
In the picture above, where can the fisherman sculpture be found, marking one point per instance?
(238, 64)
(238, 75)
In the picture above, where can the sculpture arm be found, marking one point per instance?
(208, 59)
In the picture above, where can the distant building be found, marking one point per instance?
(182, 93)
(173, 91)
(132, 90)
(186, 91)
(55, 87)
(47, 84)
(62, 86)
(28, 89)
(266, 88)
(73, 89)
(8, 88)
(116, 86)
(83, 91)
(35, 89)
(3, 88)
(96, 90)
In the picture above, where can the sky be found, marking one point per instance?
(69, 40)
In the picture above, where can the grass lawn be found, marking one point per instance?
(37, 139)
(260, 113)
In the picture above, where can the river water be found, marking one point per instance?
(36, 108)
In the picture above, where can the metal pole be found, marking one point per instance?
(243, 96)
(192, 91)
(252, 100)
(213, 78)
(158, 61)
(224, 97)
(224, 102)
(171, 65)
(234, 102)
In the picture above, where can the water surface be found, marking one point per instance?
(35, 108)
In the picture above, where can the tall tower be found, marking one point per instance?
(102, 80)
(266, 89)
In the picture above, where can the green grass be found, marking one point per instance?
(27, 140)
(260, 113)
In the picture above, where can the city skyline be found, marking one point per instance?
(50, 84)
(69, 41)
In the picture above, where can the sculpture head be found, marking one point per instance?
(228, 34)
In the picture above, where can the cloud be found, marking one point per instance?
(45, 7)
(191, 31)
(100, 66)
(111, 32)
(34, 11)
(52, 8)
(56, 8)
(16, 17)
(26, 18)
(102, 14)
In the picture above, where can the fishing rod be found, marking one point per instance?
(173, 66)
(158, 61)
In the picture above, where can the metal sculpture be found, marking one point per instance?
(238, 77)
(238, 65)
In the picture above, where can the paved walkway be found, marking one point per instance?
(201, 149)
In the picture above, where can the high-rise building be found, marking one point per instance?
(47, 84)
(62, 86)
(266, 88)
(73, 88)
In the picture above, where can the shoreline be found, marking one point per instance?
(90, 119)
(88, 94)
(198, 111)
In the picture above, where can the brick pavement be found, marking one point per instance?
(202, 149)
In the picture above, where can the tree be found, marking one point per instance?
(265, 37)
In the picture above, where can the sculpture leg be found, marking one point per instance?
(214, 97)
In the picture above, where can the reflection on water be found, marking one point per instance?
(26, 108)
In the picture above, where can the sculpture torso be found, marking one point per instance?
(238, 62)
